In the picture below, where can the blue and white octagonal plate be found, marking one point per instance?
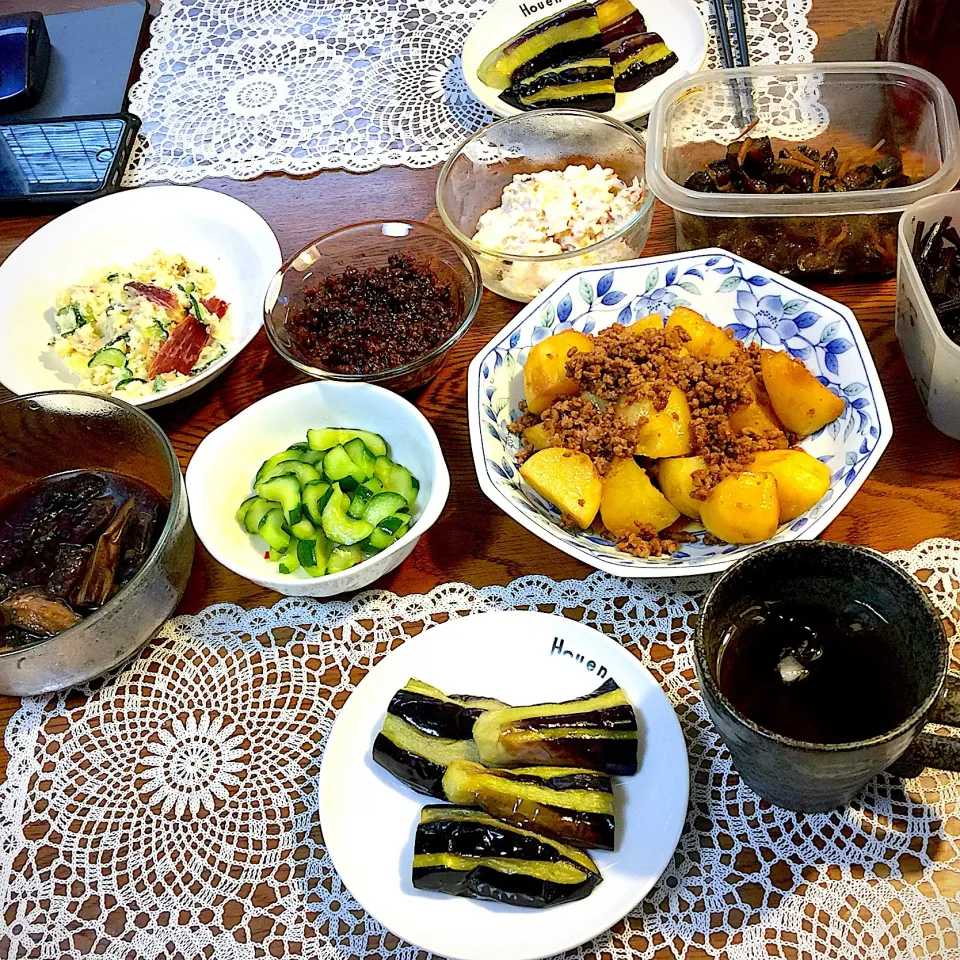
(759, 307)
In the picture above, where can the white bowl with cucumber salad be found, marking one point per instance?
(318, 489)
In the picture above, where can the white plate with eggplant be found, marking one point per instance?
(609, 56)
(505, 786)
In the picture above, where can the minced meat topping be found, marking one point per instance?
(627, 365)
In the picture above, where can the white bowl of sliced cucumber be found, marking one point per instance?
(318, 489)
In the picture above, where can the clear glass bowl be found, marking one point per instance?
(365, 245)
(47, 433)
(850, 106)
(472, 181)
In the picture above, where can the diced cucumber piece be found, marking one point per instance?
(303, 529)
(284, 466)
(108, 356)
(307, 553)
(338, 464)
(402, 481)
(382, 468)
(329, 437)
(348, 485)
(337, 525)
(159, 384)
(343, 557)
(244, 507)
(271, 529)
(314, 457)
(274, 556)
(380, 539)
(301, 447)
(362, 457)
(315, 496)
(361, 497)
(391, 524)
(383, 505)
(256, 512)
(271, 462)
(401, 531)
(304, 472)
(373, 485)
(285, 489)
(290, 562)
(313, 555)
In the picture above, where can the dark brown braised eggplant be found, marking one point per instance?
(569, 32)
(467, 853)
(598, 731)
(619, 19)
(584, 81)
(424, 731)
(568, 804)
(637, 60)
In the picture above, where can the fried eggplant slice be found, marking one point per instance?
(569, 804)
(639, 59)
(424, 731)
(569, 32)
(598, 732)
(467, 853)
(618, 19)
(583, 81)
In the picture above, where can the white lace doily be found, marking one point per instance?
(173, 812)
(237, 88)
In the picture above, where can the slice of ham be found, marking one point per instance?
(164, 298)
(216, 306)
(181, 349)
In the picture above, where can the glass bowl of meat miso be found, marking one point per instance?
(803, 168)
(95, 541)
(378, 302)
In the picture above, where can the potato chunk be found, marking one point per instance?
(538, 436)
(801, 402)
(707, 341)
(544, 374)
(801, 479)
(676, 482)
(652, 321)
(758, 415)
(630, 499)
(568, 479)
(667, 432)
(743, 508)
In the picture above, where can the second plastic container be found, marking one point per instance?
(850, 106)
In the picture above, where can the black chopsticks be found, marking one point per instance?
(735, 55)
(730, 55)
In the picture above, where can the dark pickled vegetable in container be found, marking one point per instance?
(864, 244)
(68, 543)
(936, 252)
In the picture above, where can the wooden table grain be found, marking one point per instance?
(914, 492)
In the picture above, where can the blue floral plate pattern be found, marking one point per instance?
(759, 307)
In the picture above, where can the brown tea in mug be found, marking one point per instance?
(816, 673)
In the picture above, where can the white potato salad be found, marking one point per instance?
(139, 330)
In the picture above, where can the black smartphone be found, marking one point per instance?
(69, 160)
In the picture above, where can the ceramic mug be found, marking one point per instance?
(813, 777)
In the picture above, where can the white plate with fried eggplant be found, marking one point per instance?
(505, 786)
(609, 56)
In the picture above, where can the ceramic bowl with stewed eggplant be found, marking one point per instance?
(95, 541)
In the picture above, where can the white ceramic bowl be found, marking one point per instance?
(221, 473)
(933, 358)
(215, 230)
(758, 306)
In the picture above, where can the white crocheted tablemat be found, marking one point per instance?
(238, 88)
(172, 813)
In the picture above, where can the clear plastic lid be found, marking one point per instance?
(849, 106)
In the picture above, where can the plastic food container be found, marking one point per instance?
(849, 106)
(472, 181)
(933, 358)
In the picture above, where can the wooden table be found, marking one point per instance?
(914, 492)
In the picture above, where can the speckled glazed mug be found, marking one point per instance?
(813, 777)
